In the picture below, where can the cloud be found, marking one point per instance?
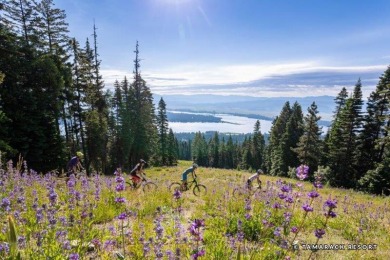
(267, 80)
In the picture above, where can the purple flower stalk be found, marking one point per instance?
(331, 204)
(307, 208)
(313, 194)
(319, 233)
(302, 172)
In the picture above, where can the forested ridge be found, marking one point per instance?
(53, 103)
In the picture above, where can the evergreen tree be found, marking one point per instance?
(162, 126)
(258, 146)
(309, 148)
(277, 131)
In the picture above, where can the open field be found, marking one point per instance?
(101, 218)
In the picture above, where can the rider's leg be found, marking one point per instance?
(184, 181)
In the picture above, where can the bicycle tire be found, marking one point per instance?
(149, 186)
(175, 186)
(199, 189)
(239, 192)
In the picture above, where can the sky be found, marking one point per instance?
(263, 48)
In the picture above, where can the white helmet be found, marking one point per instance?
(194, 165)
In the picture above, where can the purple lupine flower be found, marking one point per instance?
(282, 196)
(313, 194)
(120, 200)
(277, 232)
(5, 204)
(248, 216)
(120, 187)
(317, 185)
(331, 214)
(177, 194)
(22, 241)
(4, 247)
(331, 204)
(74, 256)
(248, 206)
(66, 245)
(122, 216)
(119, 179)
(285, 188)
(109, 245)
(198, 253)
(158, 229)
(287, 216)
(289, 199)
(294, 229)
(302, 172)
(307, 208)
(319, 233)
(277, 206)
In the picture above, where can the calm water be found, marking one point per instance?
(232, 124)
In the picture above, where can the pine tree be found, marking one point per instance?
(309, 148)
(258, 146)
(162, 126)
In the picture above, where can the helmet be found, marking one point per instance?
(259, 171)
(80, 154)
(142, 161)
(194, 165)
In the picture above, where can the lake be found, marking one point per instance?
(229, 124)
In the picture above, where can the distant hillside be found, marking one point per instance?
(245, 105)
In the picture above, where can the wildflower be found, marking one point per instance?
(74, 256)
(177, 194)
(277, 232)
(248, 216)
(307, 208)
(282, 196)
(319, 233)
(277, 206)
(120, 200)
(331, 204)
(198, 253)
(4, 247)
(302, 172)
(331, 214)
(289, 199)
(313, 194)
(5, 204)
(294, 229)
(286, 188)
(120, 187)
(122, 216)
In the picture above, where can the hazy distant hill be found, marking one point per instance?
(245, 105)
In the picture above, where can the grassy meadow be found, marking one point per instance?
(45, 217)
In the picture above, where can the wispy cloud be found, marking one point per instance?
(272, 80)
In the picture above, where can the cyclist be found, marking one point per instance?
(74, 164)
(254, 177)
(136, 173)
(186, 172)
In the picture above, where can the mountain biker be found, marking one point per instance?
(186, 172)
(254, 177)
(136, 173)
(74, 164)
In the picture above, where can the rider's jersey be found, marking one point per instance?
(253, 177)
(136, 169)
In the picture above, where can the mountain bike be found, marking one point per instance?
(144, 183)
(198, 190)
(245, 191)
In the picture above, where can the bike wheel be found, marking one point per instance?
(199, 190)
(149, 186)
(237, 193)
(175, 186)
